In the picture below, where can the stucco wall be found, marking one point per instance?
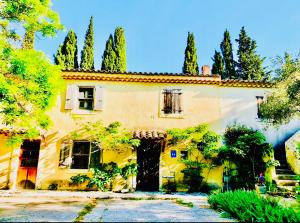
(138, 106)
(292, 152)
(9, 162)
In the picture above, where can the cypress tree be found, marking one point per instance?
(190, 64)
(218, 65)
(226, 49)
(67, 52)
(87, 54)
(249, 63)
(120, 49)
(109, 56)
(59, 58)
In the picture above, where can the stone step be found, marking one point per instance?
(284, 166)
(287, 177)
(287, 182)
(283, 171)
(289, 188)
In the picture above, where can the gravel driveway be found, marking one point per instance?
(66, 209)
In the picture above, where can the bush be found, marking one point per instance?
(104, 174)
(245, 147)
(247, 206)
(210, 188)
(53, 186)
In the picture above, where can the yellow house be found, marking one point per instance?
(145, 103)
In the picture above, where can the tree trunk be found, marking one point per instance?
(28, 40)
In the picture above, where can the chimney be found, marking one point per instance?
(206, 70)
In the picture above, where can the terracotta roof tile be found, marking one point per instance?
(149, 134)
(174, 78)
(140, 73)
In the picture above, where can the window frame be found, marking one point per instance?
(259, 101)
(71, 155)
(70, 145)
(178, 113)
(78, 98)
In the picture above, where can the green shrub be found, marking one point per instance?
(104, 174)
(53, 186)
(248, 206)
(210, 188)
(169, 187)
(245, 147)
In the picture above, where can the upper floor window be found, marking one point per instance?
(84, 98)
(172, 101)
(259, 101)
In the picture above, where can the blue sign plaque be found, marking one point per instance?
(173, 154)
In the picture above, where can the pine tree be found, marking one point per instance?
(218, 65)
(249, 63)
(120, 49)
(109, 56)
(226, 49)
(66, 55)
(87, 54)
(190, 64)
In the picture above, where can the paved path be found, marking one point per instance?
(13, 209)
(117, 210)
(40, 206)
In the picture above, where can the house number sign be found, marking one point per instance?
(173, 154)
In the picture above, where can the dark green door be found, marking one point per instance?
(148, 155)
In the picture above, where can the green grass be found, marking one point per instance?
(86, 209)
(248, 206)
(184, 203)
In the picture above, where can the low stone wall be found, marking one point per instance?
(292, 152)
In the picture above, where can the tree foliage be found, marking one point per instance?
(250, 65)
(109, 56)
(226, 49)
(66, 55)
(218, 65)
(35, 16)
(87, 54)
(110, 137)
(283, 104)
(120, 49)
(114, 55)
(245, 147)
(28, 81)
(190, 65)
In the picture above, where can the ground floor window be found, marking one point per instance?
(79, 155)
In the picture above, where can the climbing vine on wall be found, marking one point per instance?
(202, 145)
(110, 137)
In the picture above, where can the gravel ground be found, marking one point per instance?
(13, 209)
(117, 210)
(41, 206)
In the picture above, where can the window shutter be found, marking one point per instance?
(95, 155)
(179, 102)
(65, 159)
(71, 96)
(98, 105)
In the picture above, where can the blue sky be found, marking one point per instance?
(156, 30)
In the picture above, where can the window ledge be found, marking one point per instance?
(76, 170)
(177, 116)
(83, 112)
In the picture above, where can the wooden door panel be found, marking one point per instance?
(148, 155)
